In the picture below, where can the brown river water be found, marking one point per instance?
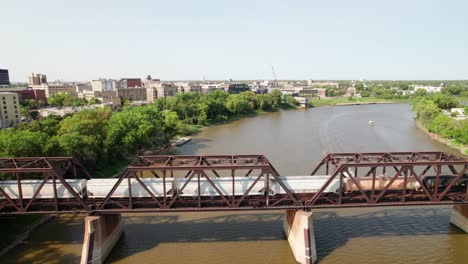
(294, 142)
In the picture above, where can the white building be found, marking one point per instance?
(104, 85)
(429, 89)
(9, 109)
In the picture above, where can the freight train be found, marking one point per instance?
(100, 188)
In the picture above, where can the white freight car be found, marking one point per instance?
(305, 184)
(29, 187)
(224, 184)
(100, 188)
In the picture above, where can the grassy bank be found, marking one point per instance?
(463, 149)
(346, 100)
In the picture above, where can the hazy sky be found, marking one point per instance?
(84, 40)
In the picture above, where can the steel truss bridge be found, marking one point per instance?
(364, 179)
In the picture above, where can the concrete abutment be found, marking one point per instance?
(101, 234)
(298, 226)
(459, 216)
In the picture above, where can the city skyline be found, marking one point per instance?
(389, 40)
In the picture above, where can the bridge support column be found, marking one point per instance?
(459, 216)
(299, 228)
(101, 234)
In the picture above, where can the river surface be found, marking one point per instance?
(294, 142)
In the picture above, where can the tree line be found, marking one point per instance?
(428, 108)
(98, 136)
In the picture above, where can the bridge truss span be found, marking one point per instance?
(396, 178)
(198, 182)
(30, 177)
(168, 183)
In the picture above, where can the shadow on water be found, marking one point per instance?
(333, 229)
(64, 236)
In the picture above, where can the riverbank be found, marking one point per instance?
(463, 149)
(115, 167)
(354, 101)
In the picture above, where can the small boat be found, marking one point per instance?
(181, 141)
(371, 123)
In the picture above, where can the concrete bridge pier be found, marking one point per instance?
(298, 226)
(101, 234)
(459, 216)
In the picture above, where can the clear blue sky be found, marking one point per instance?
(83, 40)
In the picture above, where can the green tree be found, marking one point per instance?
(420, 93)
(93, 101)
(22, 143)
(82, 135)
(133, 129)
(444, 101)
(238, 105)
(57, 99)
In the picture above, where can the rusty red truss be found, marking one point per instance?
(45, 169)
(393, 178)
(201, 170)
(167, 183)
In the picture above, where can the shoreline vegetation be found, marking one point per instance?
(463, 149)
(104, 139)
(439, 126)
(343, 101)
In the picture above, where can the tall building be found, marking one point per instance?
(9, 110)
(4, 77)
(37, 79)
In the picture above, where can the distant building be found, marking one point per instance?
(86, 94)
(55, 88)
(235, 88)
(4, 77)
(130, 83)
(132, 94)
(312, 83)
(26, 93)
(166, 89)
(156, 89)
(429, 89)
(308, 92)
(186, 87)
(37, 79)
(321, 92)
(108, 97)
(102, 85)
(38, 95)
(9, 110)
(80, 87)
(206, 88)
